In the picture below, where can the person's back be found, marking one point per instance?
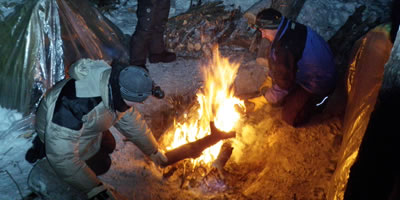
(74, 102)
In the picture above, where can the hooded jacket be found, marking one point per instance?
(298, 55)
(72, 116)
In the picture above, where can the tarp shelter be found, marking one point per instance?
(363, 83)
(40, 40)
(375, 173)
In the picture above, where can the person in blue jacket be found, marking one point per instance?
(301, 66)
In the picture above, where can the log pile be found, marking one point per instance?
(193, 34)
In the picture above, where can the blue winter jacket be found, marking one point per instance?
(298, 55)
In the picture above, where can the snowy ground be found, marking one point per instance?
(13, 145)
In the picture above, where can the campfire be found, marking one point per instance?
(216, 104)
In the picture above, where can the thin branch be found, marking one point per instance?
(7, 151)
(12, 178)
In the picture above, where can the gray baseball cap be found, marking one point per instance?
(135, 84)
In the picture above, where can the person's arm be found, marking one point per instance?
(135, 129)
(282, 73)
(283, 68)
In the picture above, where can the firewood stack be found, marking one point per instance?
(193, 33)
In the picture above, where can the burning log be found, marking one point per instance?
(223, 157)
(194, 149)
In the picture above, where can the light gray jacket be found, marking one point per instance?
(67, 149)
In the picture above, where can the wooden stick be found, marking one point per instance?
(15, 182)
(194, 149)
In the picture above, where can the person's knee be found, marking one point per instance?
(288, 118)
(36, 152)
(108, 142)
(99, 163)
(295, 119)
(104, 167)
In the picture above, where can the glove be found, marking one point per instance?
(275, 94)
(159, 158)
(103, 192)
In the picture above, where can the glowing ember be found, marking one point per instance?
(216, 103)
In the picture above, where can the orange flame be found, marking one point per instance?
(216, 103)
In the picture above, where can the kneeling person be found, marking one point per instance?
(74, 116)
(301, 66)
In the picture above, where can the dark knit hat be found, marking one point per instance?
(135, 84)
(268, 19)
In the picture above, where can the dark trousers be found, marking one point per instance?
(299, 105)
(36, 152)
(100, 163)
(148, 37)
